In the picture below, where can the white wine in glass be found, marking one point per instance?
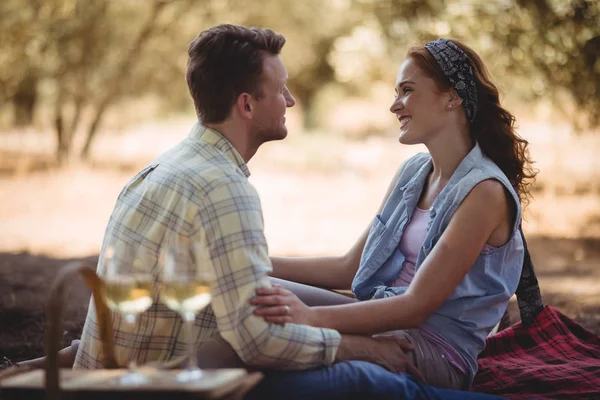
(129, 295)
(187, 296)
(185, 289)
(128, 291)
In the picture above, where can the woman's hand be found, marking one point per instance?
(278, 305)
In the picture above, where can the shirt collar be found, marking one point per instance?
(209, 136)
(472, 159)
(416, 184)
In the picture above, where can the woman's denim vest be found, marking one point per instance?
(480, 299)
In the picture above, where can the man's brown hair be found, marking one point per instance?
(225, 61)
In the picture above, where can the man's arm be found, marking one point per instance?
(230, 223)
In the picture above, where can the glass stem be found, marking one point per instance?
(189, 319)
(131, 320)
(132, 366)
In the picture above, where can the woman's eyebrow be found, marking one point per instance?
(404, 83)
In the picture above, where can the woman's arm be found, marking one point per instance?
(327, 272)
(483, 214)
(484, 211)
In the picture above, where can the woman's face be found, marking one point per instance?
(419, 105)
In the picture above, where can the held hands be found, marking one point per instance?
(278, 306)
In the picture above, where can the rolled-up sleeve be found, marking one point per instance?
(230, 224)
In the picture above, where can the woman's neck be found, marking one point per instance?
(447, 153)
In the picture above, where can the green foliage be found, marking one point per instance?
(561, 43)
(538, 48)
(90, 55)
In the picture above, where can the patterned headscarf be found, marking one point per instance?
(455, 65)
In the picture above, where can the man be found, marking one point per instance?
(199, 191)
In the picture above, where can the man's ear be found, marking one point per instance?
(244, 105)
(453, 100)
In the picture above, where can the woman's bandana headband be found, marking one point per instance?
(455, 65)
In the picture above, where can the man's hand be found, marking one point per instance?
(386, 351)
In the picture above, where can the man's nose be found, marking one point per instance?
(290, 100)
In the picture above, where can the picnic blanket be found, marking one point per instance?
(553, 358)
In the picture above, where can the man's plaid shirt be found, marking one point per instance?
(199, 191)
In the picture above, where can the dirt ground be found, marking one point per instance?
(568, 270)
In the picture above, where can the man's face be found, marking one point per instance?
(268, 120)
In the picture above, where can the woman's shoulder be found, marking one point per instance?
(487, 186)
(489, 179)
(487, 169)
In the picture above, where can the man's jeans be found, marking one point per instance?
(351, 380)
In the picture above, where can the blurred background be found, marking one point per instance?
(90, 91)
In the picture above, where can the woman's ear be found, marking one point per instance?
(453, 100)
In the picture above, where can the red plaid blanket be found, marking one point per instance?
(553, 358)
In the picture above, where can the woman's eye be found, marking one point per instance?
(407, 89)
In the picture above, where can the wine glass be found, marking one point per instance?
(185, 289)
(128, 291)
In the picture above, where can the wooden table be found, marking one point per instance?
(104, 384)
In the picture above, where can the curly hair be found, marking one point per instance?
(493, 127)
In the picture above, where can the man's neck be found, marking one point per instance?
(238, 136)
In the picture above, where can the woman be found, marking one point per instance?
(443, 256)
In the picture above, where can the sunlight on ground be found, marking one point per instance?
(318, 192)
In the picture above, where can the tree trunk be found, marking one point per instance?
(306, 96)
(312, 80)
(65, 130)
(62, 150)
(24, 101)
(121, 74)
(91, 134)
